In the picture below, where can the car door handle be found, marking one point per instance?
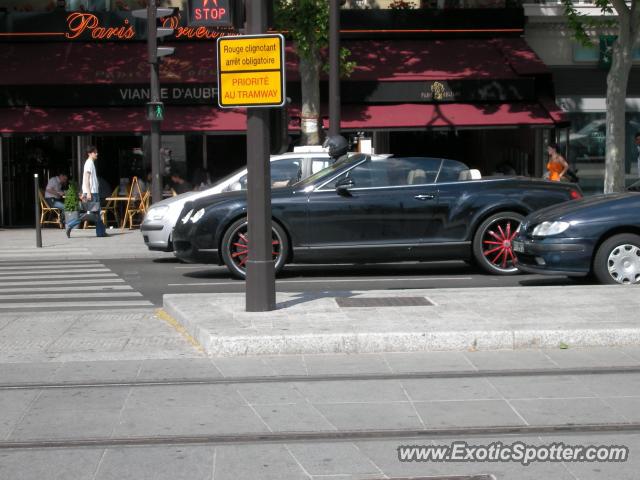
(424, 197)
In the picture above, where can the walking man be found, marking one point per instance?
(90, 192)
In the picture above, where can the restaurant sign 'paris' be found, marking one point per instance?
(80, 24)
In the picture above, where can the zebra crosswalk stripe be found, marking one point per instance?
(87, 304)
(36, 285)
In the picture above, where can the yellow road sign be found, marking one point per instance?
(251, 71)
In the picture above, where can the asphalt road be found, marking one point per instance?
(153, 278)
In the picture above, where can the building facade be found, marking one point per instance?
(446, 80)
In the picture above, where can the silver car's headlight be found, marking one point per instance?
(547, 229)
(197, 216)
(186, 218)
(157, 213)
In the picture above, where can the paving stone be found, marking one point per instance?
(428, 362)
(361, 416)
(243, 367)
(476, 413)
(541, 386)
(194, 420)
(449, 389)
(71, 413)
(363, 391)
(345, 364)
(627, 407)
(565, 411)
(269, 393)
(509, 360)
(264, 462)
(612, 385)
(27, 372)
(98, 371)
(157, 463)
(188, 368)
(286, 364)
(343, 459)
(13, 405)
(298, 417)
(59, 464)
(592, 357)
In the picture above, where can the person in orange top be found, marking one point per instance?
(557, 166)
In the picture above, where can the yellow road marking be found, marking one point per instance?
(163, 315)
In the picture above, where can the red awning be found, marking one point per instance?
(119, 120)
(59, 63)
(180, 119)
(446, 115)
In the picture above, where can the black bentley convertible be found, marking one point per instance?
(368, 209)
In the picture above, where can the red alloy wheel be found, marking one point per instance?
(497, 243)
(236, 244)
(493, 243)
(240, 252)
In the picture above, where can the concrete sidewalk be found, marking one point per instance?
(458, 319)
(20, 244)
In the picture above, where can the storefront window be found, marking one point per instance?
(587, 142)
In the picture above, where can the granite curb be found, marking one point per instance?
(460, 319)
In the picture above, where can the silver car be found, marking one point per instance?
(159, 221)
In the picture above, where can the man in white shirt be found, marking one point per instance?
(90, 191)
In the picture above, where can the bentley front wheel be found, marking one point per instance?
(235, 247)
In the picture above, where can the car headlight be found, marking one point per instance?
(198, 215)
(157, 213)
(546, 229)
(186, 218)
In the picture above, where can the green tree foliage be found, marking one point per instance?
(306, 22)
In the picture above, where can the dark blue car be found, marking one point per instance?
(598, 235)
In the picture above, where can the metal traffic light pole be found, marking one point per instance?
(154, 96)
(261, 283)
(334, 67)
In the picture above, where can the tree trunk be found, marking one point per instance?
(310, 87)
(617, 79)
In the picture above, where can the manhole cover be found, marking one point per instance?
(345, 302)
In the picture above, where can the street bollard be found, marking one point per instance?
(38, 231)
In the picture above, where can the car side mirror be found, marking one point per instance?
(343, 186)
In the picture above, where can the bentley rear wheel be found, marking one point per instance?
(492, 243)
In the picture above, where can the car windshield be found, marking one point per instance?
(330, 170)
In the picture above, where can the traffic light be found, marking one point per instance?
(155, 111)
(153, 15)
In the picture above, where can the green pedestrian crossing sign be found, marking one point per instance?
(155, 111)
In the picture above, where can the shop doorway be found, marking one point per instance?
(22, 157)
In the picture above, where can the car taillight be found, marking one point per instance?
(575, 195)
